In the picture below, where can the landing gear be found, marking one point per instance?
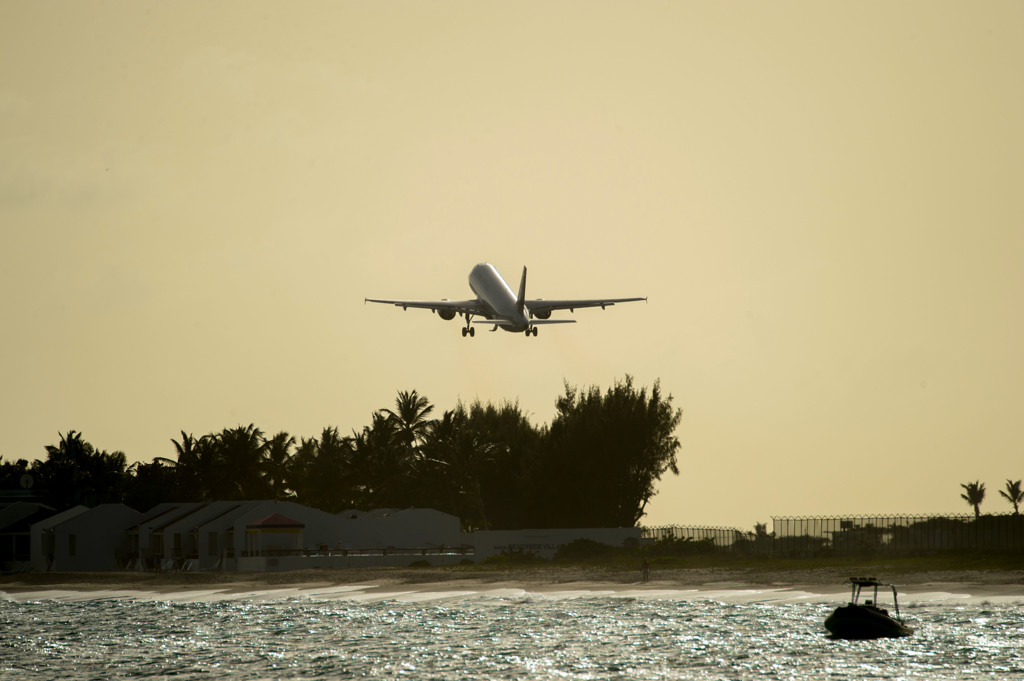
(468, 330)
(531, 330)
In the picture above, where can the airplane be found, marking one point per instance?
(498, 305)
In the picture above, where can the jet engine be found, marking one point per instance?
(542, 314)
(445, 314)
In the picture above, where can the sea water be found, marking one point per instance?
(350, 633)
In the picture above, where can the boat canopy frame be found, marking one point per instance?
(857, 583)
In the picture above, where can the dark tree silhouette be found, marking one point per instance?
(603, 456)
(153, 483)
(503, 479)
(278, 463)
(974, 494)
(323, 473)
(302, 478)
(241, 461)
(75, 473)
(596, 465)
(409, 420)
(196, 468)
(1013, 494)
(385, 463)
(11, 473)
(455, 456)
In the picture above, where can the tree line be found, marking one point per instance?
(595, 465)
(974, 494)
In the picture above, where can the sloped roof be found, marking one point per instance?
(22, 523)
(275, 520)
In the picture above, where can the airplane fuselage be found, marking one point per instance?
(498, 296)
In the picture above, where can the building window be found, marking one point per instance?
(72, 545)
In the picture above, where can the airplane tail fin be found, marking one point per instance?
(521, 300)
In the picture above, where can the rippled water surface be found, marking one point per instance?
(494, 637)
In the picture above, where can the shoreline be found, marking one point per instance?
(821, 580)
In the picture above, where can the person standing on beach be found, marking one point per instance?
(645, 570)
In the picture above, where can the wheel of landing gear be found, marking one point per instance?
(472, 332)
(464, 330)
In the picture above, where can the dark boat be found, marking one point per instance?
(867, 620)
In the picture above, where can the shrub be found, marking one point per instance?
(513, 558)
(581, 550)
(674, 546)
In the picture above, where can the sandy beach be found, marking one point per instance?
(422, 583)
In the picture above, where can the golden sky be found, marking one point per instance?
(824, 202)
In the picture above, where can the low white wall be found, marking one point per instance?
(407, 528)
(283, 563)
(545, 543)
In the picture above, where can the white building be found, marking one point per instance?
(16, 521)
(42, 540)
(83, 540)
(146, 538)
(224, 541)
(179, 534)
(257, 536)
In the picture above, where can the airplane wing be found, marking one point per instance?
(534, 322)
(540, 307)
(473, 307)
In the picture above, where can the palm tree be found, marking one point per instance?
(278, 463)
(323, 475)
(75, 472)
(385, 464)
(300, 474)
(410, 418)
(195, 466)
(1013, 494)
(241, 455)
(150, 484)
(456, 455)
(975, 494)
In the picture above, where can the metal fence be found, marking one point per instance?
(722, 537)
(895, 534)
(907, 535)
